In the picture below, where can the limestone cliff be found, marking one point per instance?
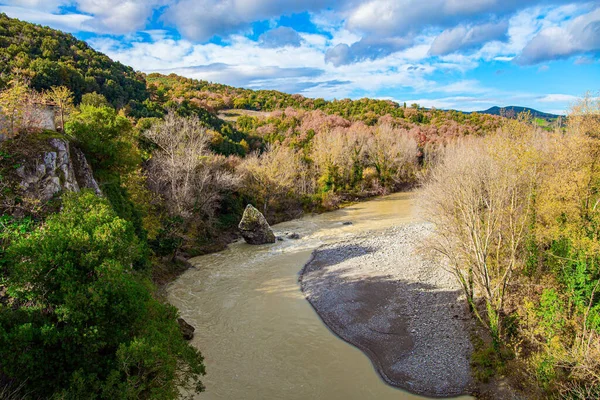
(37, 168)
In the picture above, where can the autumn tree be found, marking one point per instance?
(62, 98)
(20, 108)
(273, 174)
(479, 197)
(393, 153)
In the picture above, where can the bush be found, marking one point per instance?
(82, 322)
(106, 138)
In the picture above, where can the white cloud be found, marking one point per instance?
(119, 16)
(464, 38)
(558, 98)
(37, 5)
(398, 17)
(578, 36)
(294, 69)
(463, 103)
(106, 16)
(199, 20)
(280, 37)
(65, 22)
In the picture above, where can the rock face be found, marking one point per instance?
(83, 172)
(57, 168)
(186, 329)
(254, 227)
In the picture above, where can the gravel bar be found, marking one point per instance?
(406, 313)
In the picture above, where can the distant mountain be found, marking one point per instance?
(513, 111)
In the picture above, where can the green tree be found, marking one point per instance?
(106, 137)
(84, 323)
(108, 141)
(94, 99)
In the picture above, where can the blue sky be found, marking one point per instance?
(462, 54)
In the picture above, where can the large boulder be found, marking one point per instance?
(254, 227)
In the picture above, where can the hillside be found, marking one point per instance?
(513, 111)
(48, 57)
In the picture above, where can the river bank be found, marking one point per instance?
(259, 336)
(404, 312)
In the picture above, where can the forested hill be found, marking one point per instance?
(52, 58)
(512, 111)
(49, 58)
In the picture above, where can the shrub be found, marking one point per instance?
(82, 322)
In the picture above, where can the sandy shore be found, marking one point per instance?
(403, 311)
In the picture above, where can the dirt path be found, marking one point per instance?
(401, 310)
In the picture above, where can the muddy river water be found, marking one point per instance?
(260, 338)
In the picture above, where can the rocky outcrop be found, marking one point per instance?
(55, 168)
(187, 331)
(254, 227)
(83, 171)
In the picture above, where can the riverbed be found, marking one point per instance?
(260, 337)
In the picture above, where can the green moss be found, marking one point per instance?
(28, 146)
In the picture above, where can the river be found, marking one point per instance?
(260, 338)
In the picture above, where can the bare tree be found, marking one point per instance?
(182, 168)
(479, 198)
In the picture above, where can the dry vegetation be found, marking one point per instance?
(518, 221)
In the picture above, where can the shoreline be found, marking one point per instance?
(173, 269)
(402, 311)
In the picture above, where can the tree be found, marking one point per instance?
(393, 153)
(183, 170)
(94, 99)
(480, 199)
(106, 137)
(108, 140)
(272, 175)
(62, 97)
(83, 322)
(13, 107)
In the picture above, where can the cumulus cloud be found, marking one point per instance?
(579, 36)
(465, 38)
(65, 22)
(119, 16)
(106, 16)
(250, 76)
(280, 37)
(38, 5)
(364, 49)
(199, 20)
(398, 17)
